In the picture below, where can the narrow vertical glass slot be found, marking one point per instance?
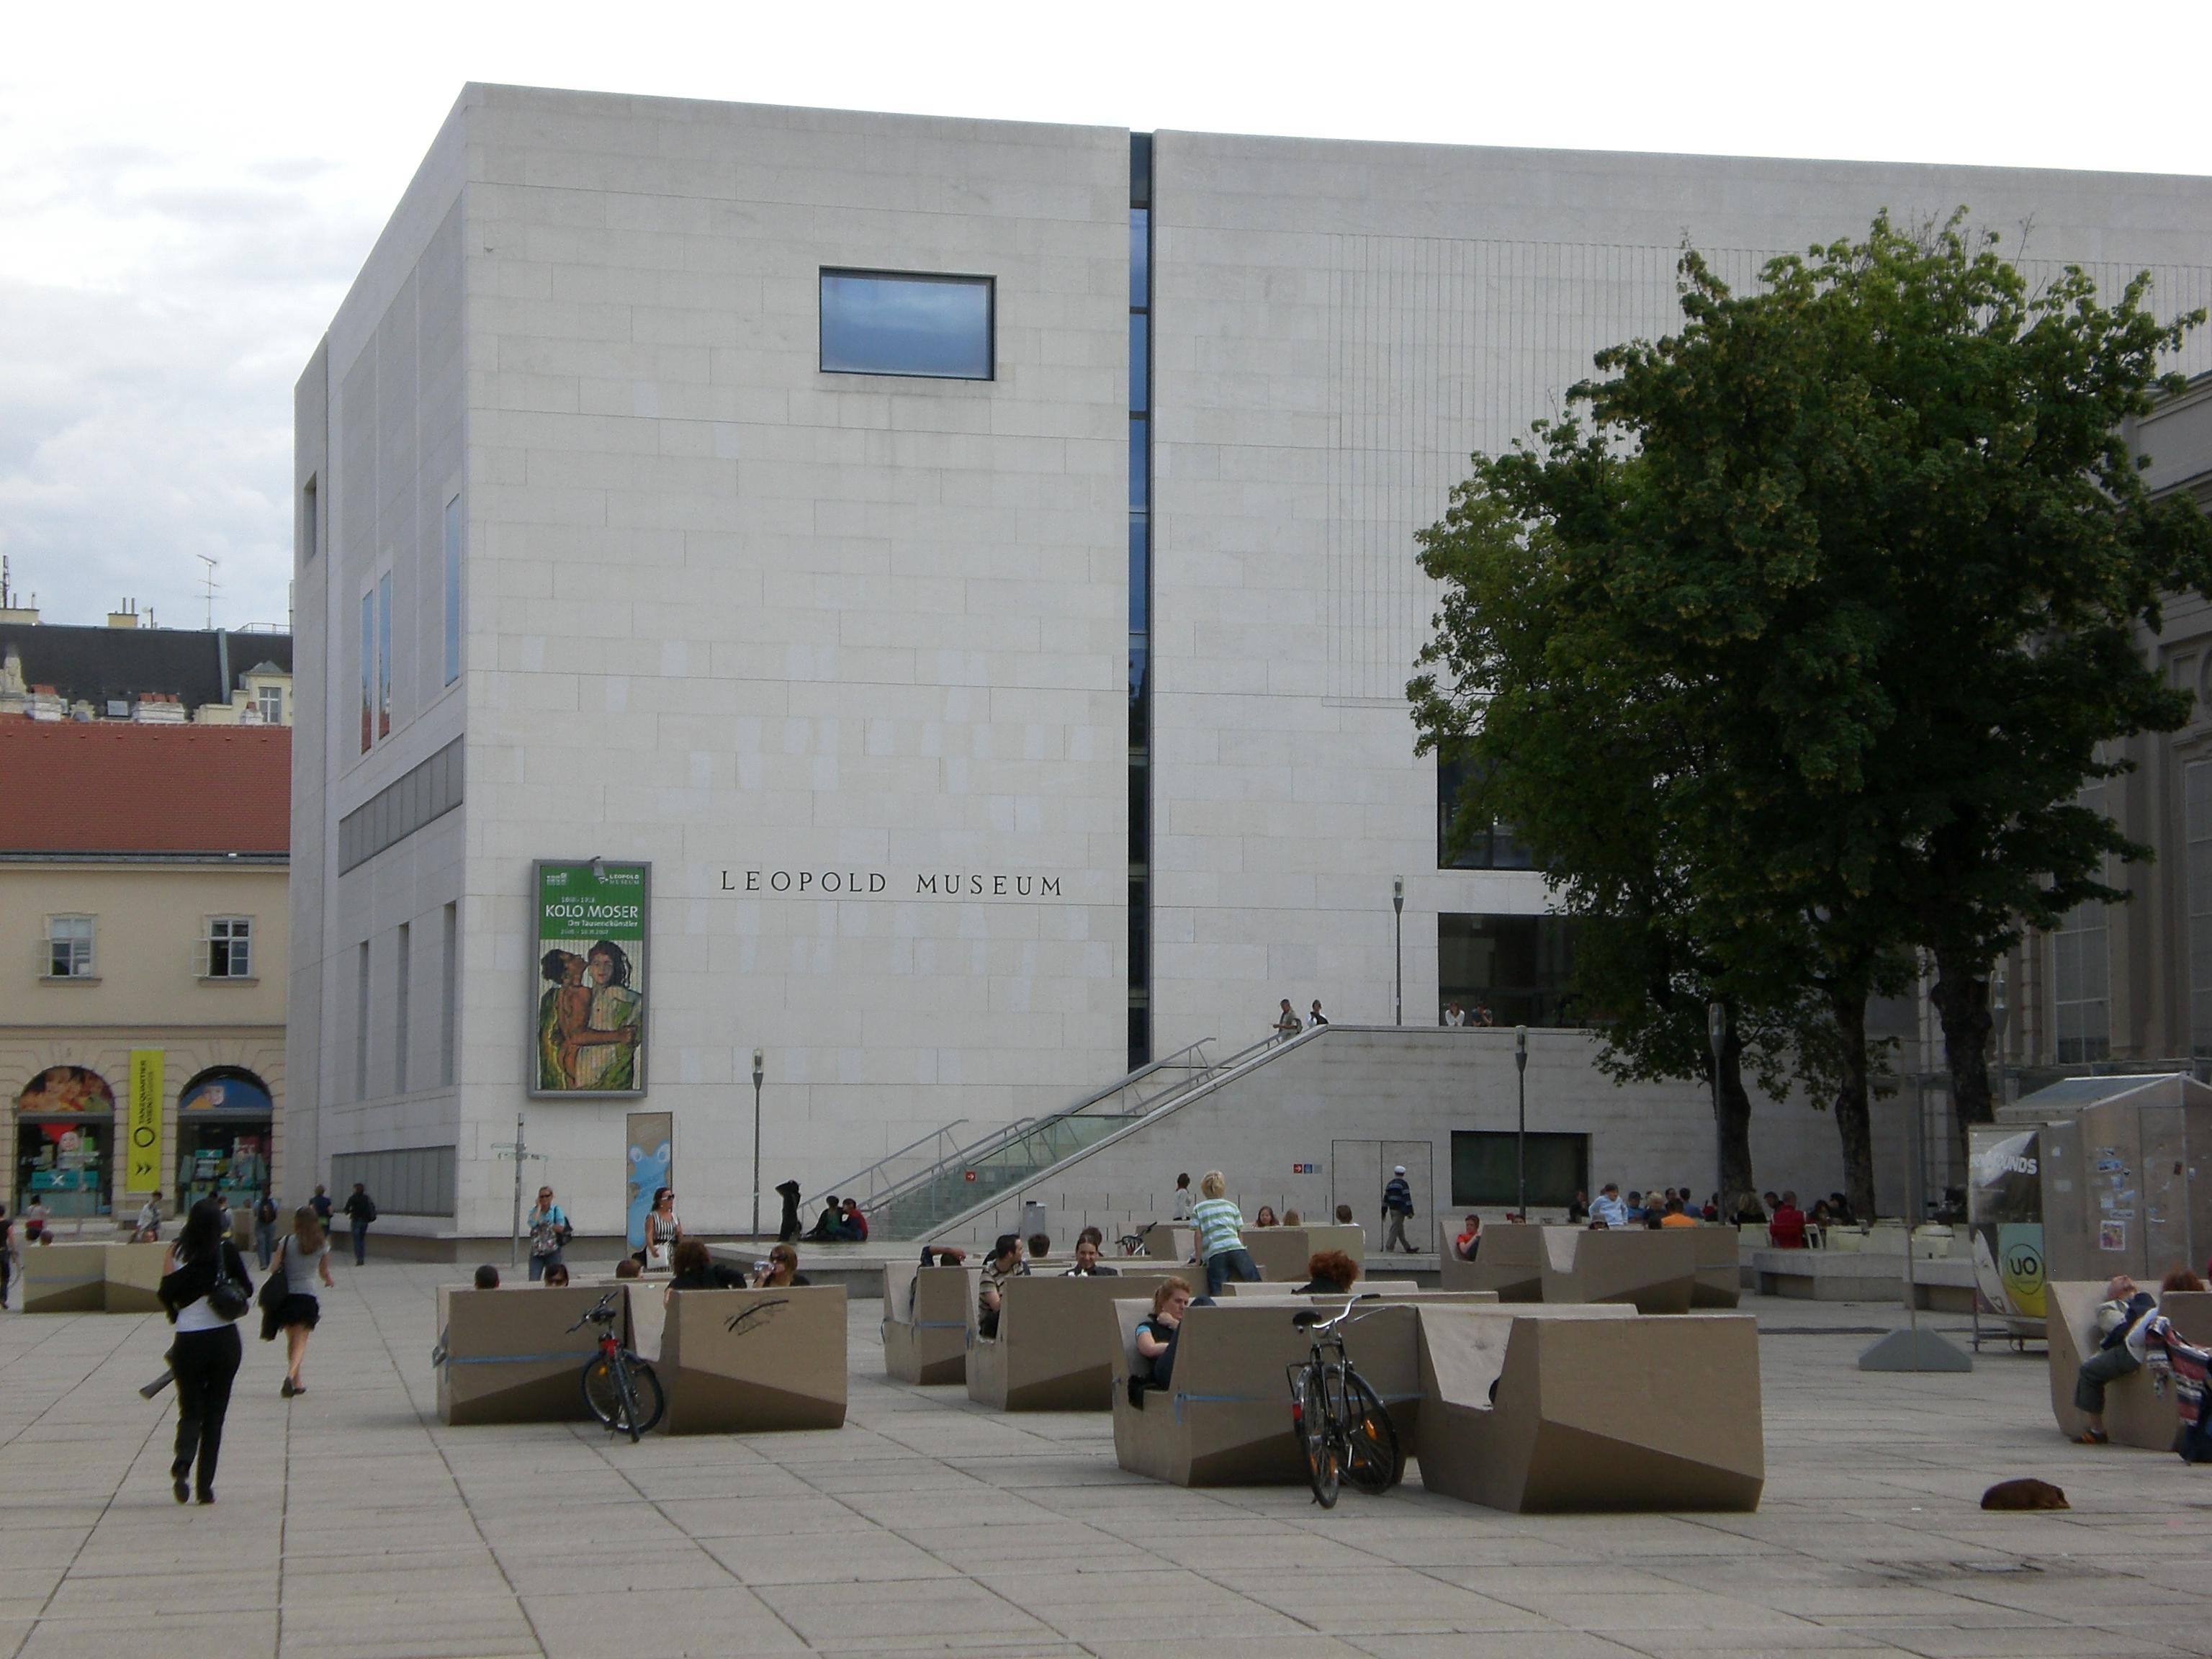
(1140, 605)
(1141, 483)
(1139, 363)
(1140, 556)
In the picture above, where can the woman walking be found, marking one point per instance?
(205, 1289)
(304, 1254)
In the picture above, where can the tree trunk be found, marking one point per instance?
(1854, 1124)
(1961, 996)
(1732, 1127)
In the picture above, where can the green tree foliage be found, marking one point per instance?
(1790, 648)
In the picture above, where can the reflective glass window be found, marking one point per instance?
(881, 323)
(1140, 546)
(1140, 375)
(1140, 492)
(1140, 256)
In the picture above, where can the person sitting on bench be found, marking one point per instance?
(1087, 1264)
(1157, 1333)
(1006, 1263)
(1332, 1274)
(1470, 1239)
(2123, 1325)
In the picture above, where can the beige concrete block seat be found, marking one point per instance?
(1594, 1409)
(1226, 1419)
(2135, 1413)
(929, 1317)
(1282, 1253)
(1718, 1256)
(64, 1278)
(508, 1355)
(1291, 1287)
(1510, 1263)
(1654, 1268)
(1055, 1349)
(739, 1362)
(133, 1276)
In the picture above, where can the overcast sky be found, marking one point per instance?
(185, 193)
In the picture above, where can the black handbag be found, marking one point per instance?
(228, 1296)
(274, 1288)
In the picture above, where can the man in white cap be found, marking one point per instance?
(1398, 1205)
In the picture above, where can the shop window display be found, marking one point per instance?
(64, 1132)
(223, 1119)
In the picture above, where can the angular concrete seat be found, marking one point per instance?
(1226, 1420)
(1594, 1409)
(1510, 1263)
(928, 1316)
(2135, 1413)
(133, 1275)
(741, 1362)
(1282, 1252)
(1290, 1287)
(1654, 1268)
(509, 1356)
(1717, 1252)
(64, 1278)
(1055, 1349)
(1171, 1241)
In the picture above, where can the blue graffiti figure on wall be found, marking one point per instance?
(648, 1173)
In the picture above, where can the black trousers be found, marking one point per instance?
(205, 1362)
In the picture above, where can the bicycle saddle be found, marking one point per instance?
(1305, 1319)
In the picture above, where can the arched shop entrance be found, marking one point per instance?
(64, 1137)
(224, 1118)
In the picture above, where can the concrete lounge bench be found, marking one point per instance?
(509, 1357)
(133, 1276)
(1226, 1420)
(1284, 1252)
(64, 1278)
(1594, 1409)
(1171, 1241)
(1655, 1269)
(1718, 1253)
(929, 1314)
(1055, 1349)
(2135, 1413)
(1290, 1287)
(1510, 1263)
(741, 1362)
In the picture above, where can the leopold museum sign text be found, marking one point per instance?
(866, 883)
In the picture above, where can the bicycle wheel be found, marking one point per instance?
(1372, 1462)
(652, 1398)
(1310, 1415)
(602, 1392)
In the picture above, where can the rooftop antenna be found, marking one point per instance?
(207, 580)
(7, 598)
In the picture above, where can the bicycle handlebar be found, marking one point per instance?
(604, 1306)
(1310, 1319)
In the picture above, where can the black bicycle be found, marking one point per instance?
(1341, 1424)
(620, 1389)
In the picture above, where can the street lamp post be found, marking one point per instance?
(1521, 1134)
(758, 1072)
(1398, 910)
(1998, 1013)
(1716, 1039)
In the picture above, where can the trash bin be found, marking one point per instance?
(1035, 1219)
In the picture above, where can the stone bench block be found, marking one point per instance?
(2135, 1413)
(1654, 1269)
(1055, 1349)
(510, 1356)
(929, 1319)
(1594, 1409)
(64, 1278)
(1510, 1262)
(741, 1362)
(1282, 1252)
(133, 1276)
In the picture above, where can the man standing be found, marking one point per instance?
(148, 1228)
(1398, 1205)
(1316, 1017)
(265, 1228)
(360, 1210)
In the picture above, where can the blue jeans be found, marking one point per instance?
(264, 1242)
(538, 1264)
(360, 1243)
(1224, 1265)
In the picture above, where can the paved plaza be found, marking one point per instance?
(351, 1524)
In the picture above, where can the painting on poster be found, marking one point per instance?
(590, 977)
(648, 1159)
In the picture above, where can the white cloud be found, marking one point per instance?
(185, 192)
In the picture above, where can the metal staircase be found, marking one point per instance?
(915, 1192)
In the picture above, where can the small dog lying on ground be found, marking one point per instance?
(2025, 1494)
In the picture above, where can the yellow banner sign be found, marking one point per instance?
(141, 1164)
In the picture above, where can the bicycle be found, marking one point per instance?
(620, 1389)
(1341, 1424)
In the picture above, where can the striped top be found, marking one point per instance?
(1220, 1226)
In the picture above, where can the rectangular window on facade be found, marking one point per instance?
(450, 984)
(1485, 847)
(384, 655)
(367, 670)
(453, 590)
(69, 947)
(269, 703)
(1514, 969)
(2080, 974)
(229, 948)
(2197, 830)
(1485, 1168)
(399, 1010)
(307, 526)
(880, 322)
(361, 1024)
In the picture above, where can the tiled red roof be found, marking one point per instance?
(110, 786)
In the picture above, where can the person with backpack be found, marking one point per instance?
(1398, 1206)
(360, 1210)
(265, 1228)
(2123, 1329)
(549, 1232)
(205, 1289)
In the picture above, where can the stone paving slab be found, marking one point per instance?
(351, 1524)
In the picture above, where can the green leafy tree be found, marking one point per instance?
(1846, 570)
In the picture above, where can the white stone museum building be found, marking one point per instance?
(956, 579)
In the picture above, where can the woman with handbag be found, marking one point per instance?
(206, 1290)
(549, 1232)
(289, 1302)
(663, 1231)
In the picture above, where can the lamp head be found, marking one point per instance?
(1398, 893)
(758, 1072)
(1715, 1026)
(1520, 1046)
(598, 868)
